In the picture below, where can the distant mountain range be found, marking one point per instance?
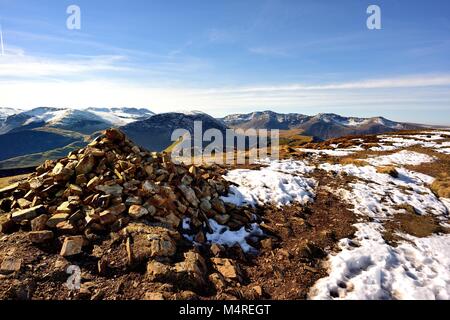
(29, 137)
(322, 126)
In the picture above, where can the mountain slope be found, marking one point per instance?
(155, 132)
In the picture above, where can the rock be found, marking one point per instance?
(10, 265)
(150, 296)
(218, 281)
(24, 203)
(222, 219)
(115, 135)
(205, 205)
(61, 173)
(189, 194)
(114, 190)
(39, 223)
(107, 217)
(218, 205)
(216, 249)
(227, 268)
(187, 180)
(6, 224)
(40, 236)
(137, 211)
(75, 190)
(118, 209)
(28, 214)
(171, 219)
(150, 242)
(65, 208)
(158, 272)
(133, 200)
(85, 165)
(150, 188)
(192, 271)
(94, 182)
(258, 291)
(72, 246)
(55, 219)
(66, 228)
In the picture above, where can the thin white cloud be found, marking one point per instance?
(22, 66)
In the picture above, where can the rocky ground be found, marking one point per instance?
(357, 217)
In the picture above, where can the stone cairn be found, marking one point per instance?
(113, 187)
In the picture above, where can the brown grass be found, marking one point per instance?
(356, 162)
(441, 186)
(390, 170)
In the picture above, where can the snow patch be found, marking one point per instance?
(269, 185)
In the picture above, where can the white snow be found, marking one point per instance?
(369, 268)
(288, 166)
(224, 236)
(267, 185)
(417, 269)
(404, 157)
(333, 152)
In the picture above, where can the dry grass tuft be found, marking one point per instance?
(390, 170)
(356, 162)
(441, 186)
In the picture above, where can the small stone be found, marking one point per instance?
(27, 214)
(216, 249)
(186, 180)
(40, 236)
(65, 207)
(10, 265)
(227, 268)
(205, 205)
(94, 182)
(222, 219)
(157, 271)
(72, 246)
(107, 217)
(24, 203)
(133, 200)
(137, 211)
(189, 194)
(39, 223)
(114, 190)
(85, 165)
(218, 205)
(115, 135)
(55, 219)
(118, 209)
(75, 190)
(258, 290)
(153, 296)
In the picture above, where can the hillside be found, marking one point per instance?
(324, 222)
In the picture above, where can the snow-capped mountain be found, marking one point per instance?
(7, 112)
(322, 126)
(85, 121)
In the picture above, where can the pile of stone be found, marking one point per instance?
(114, 187)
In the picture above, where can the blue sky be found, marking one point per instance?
(230, 56)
